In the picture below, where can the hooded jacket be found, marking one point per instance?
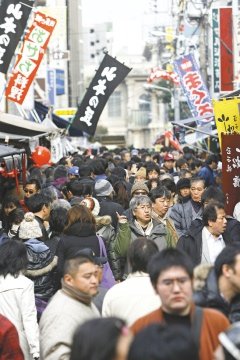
(207, 293)
(41, 267)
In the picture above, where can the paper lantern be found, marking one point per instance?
(41, 155)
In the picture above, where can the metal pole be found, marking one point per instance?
(191, 128)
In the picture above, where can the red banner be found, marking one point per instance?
(29, 59)
(231, 169)
(226, 49)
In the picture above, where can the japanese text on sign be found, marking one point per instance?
(197, 94)
(28, 61)
(99, 89)
(231, 169)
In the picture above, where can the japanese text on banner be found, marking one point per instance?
(227, 116)
(30, 57)
(193, 86)
(231, 169)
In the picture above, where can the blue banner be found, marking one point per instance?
(197, 94)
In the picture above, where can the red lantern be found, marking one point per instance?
(41, 155)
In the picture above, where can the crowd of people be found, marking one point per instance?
(121, 255)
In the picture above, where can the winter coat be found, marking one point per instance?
(78, 236)
(41, 268)
(191, 243)
(17, 303)
(182, 216)
(107, 232)
(109, 207)
(171, 233)
(207, 294)
(59, 322)
(128, 232)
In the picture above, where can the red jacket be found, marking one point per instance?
(9, 341)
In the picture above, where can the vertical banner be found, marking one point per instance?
(28, 61)
(198, 98)
(227, 116)
(14, 16)
(231, 169)
(108, 76)
(226, 49)
(222, 49)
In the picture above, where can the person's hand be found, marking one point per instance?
(122, 219)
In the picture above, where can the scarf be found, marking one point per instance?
(145, 231)
(76, 294)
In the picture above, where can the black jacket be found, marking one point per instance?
(78, 236)
(41, 268)
(109, 207)
(210, 297)
(191, 243)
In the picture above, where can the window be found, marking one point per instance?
(145, 102)
(114, 104)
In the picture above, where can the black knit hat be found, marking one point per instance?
(183, 183)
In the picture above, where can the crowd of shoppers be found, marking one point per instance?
(118, 255)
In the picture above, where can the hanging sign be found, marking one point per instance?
(108, 76)
(227, 116)
(14, 16)
(231, 169)
(198, 98)
(30, 57)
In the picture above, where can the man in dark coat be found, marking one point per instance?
(218, 287)
(206, 171)
(206, 238)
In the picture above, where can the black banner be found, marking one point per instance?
(14, 16)
(109, 75)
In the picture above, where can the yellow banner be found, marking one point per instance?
(227, 116)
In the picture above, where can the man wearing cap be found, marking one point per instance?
(70, 306)
(73, 173)
(138, 188)
(104, 194)
(168, 163)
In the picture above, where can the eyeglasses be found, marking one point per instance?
(144, 207)
(182, 281)
(140, 193)
(28, 191)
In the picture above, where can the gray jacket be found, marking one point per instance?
(129, 232)
(182, 215)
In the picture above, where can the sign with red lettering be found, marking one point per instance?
(198, 97)
(31, 54)
(231, 169)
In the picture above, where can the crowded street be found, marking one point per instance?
(119, 180)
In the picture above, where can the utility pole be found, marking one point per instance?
(203, 51)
